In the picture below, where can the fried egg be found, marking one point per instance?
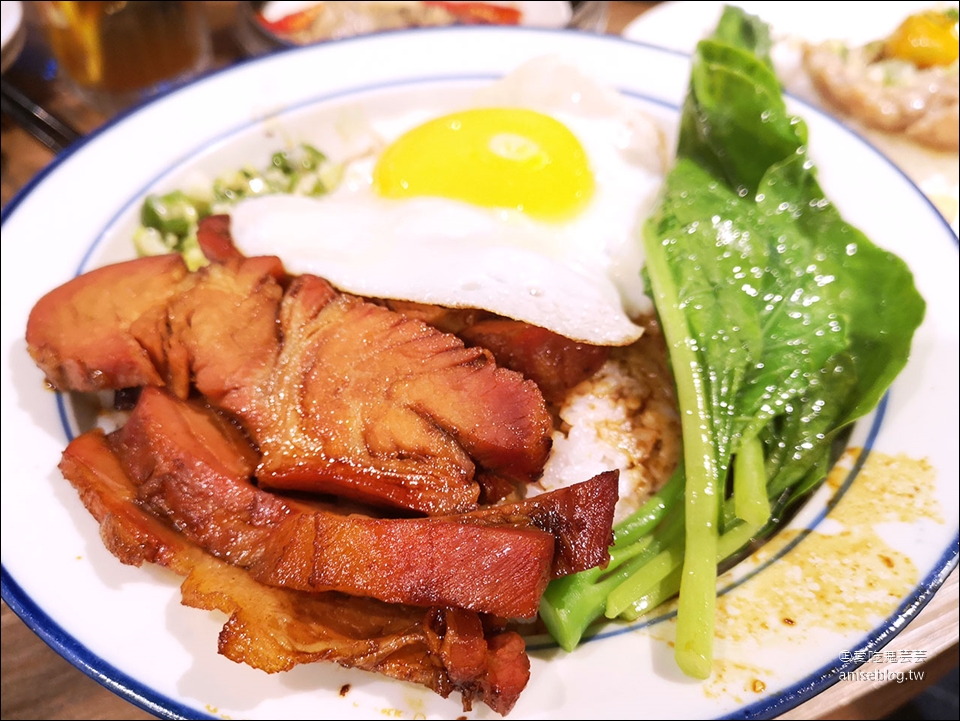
(526, 203)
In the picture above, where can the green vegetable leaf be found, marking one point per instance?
(784, 324)
(747, 32)
(735, 124)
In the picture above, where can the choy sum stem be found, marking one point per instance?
(572, 603)
(695, 614)
(750, 484)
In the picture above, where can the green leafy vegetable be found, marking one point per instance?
(572, 603)
(784, 325)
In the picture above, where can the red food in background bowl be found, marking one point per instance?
(264, 27)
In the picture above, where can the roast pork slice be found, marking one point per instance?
(225, 328)
(369, 404)
(342, 396)
(556, 364)
(105, 329)
(579, 517)
(275, 629)
(194, 469)
(216, 240)
(142, 322)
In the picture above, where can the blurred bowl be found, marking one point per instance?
(265, 27)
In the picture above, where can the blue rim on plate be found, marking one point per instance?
(154, 702)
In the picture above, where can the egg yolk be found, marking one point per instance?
(492, 157)
(926, 39)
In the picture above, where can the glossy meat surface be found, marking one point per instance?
(342, 396)
(105, 329)
(556, 364)
(579, 517)
(275, 629)
(193, 469)
(372, 405)
(215, 239)
(224, 330)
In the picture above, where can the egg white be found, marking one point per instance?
(579, 278)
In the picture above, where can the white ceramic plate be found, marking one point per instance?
(11, 15)
(865, 554)
(11, 35)
(678, 26)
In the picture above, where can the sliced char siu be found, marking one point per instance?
(224, 330)
(556, 364)
(342, 396)
(275, 629)
(191, 468)
(105, 329)
(367, 403)
(338, 395)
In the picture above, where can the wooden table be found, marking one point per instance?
(38, 684)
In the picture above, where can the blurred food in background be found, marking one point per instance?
(266, 26)
(328, 20)
(907, 83)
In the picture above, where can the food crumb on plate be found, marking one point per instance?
(839, 582)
